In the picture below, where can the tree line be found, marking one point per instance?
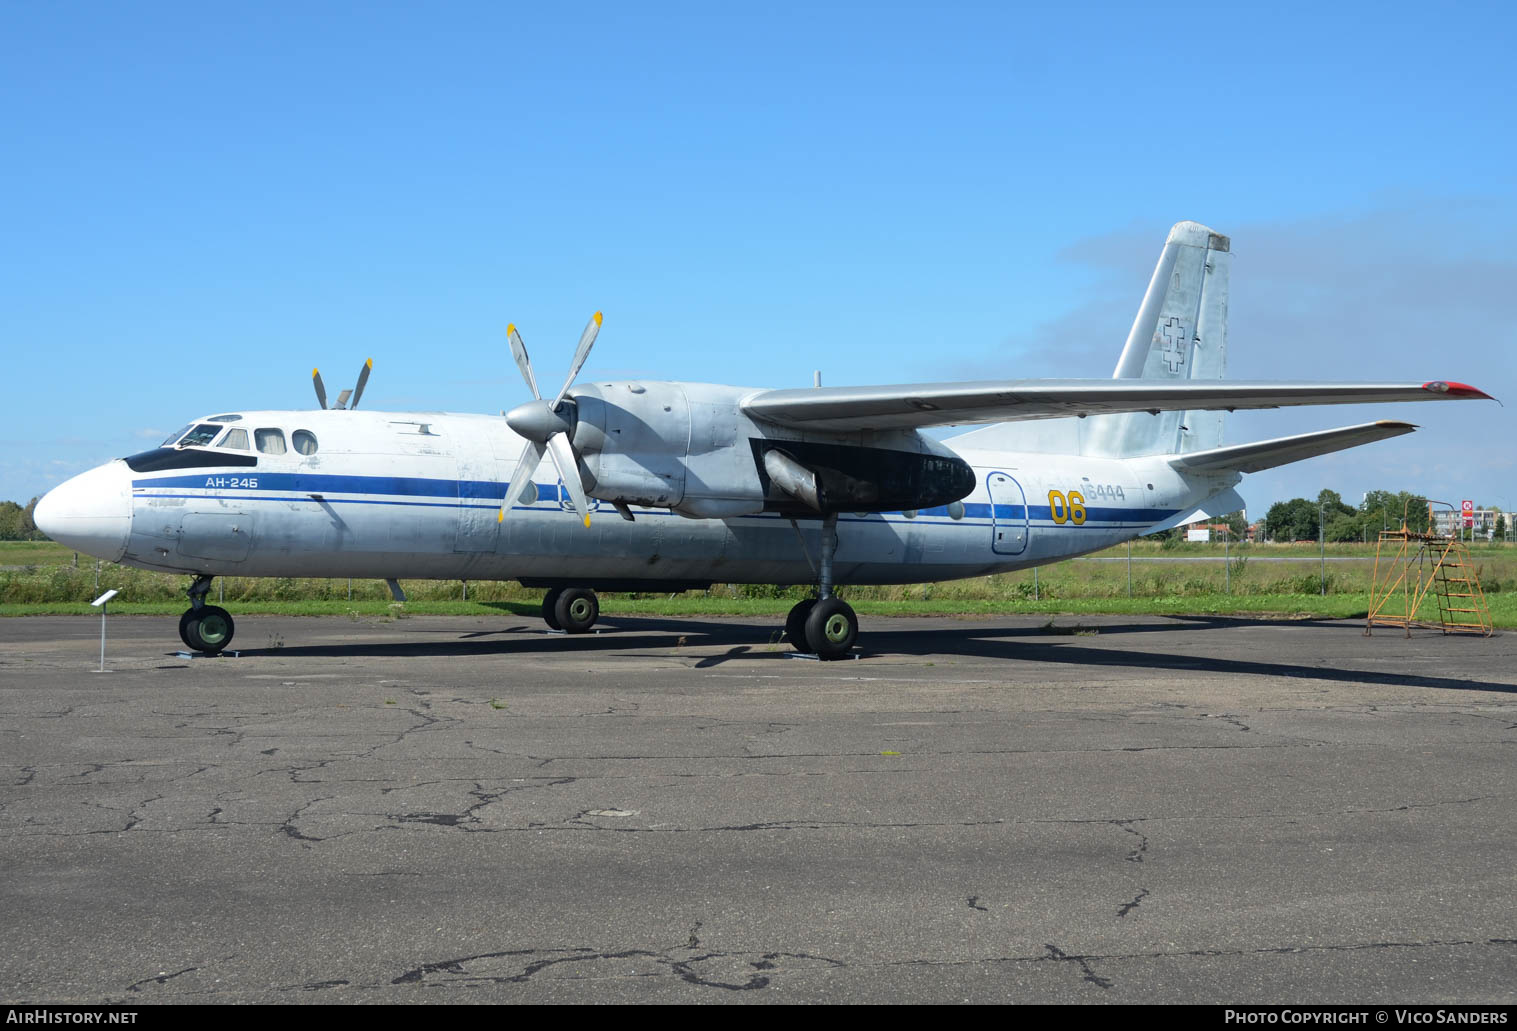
(16, 522)
(1300, 519)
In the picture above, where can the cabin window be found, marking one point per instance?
(235, 439)
(304, 441)
(270, 441)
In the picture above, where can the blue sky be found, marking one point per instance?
(201, 202)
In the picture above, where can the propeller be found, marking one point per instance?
(548, 426)
(342, 398)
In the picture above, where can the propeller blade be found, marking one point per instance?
(580, 354)
(531, 455)
(562, 453)
(342, 400)
(519, 352)
(363, 377)
(321, 391)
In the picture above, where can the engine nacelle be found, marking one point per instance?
(633, 439)
(690, 447)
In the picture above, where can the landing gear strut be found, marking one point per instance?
(573, 610)
(826, 626)
(205, 628)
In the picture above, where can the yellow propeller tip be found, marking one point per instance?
(369, 362)
(510, 328)
(500, 516)
(315, 373)
(587, 522)
(597, 318)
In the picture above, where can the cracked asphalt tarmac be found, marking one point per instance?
(443, 809)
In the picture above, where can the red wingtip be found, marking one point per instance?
(1456, 389)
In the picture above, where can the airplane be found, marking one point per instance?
(699, 483)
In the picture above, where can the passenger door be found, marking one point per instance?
(1008, 514)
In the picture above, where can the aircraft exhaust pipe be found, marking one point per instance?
(793, 478)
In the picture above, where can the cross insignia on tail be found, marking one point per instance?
(1174, 344)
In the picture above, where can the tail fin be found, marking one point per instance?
(1180, 333)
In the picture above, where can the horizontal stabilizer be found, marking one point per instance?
(1214, 506)
(915, 405)
(1266, 454)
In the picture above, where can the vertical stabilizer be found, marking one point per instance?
(1180, 333)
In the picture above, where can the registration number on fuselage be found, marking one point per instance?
(232, 481)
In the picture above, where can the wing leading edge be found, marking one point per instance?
(918, 405)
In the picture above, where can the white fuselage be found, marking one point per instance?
(417, 495)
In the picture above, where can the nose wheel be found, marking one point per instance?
(205, 628)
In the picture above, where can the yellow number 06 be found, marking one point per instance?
(1071, 510)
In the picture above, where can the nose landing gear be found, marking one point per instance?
(205, 628)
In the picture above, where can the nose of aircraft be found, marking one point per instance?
(91, 513)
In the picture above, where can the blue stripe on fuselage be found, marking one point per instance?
(490, 490)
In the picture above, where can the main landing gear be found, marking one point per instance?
(573, 610)
(825, 625)
(205, 628)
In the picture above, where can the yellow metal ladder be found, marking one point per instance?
(1440, 566)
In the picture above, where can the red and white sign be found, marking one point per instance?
(1467, 507)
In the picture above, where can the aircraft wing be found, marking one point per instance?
(915, 405)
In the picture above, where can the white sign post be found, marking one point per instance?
(100, 603)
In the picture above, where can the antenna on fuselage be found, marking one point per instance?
(342, 399)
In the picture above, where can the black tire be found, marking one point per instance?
(577, 610)
(184, 629)
(210, 629)
(550, 602)
(831, 628)
(795, 624)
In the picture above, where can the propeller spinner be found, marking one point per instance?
(548, 426)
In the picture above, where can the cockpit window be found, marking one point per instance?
(270, 441)
(235, 439)
(304, 441)
(201, 435)
(173, 438)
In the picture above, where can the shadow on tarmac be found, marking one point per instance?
(1024, 644)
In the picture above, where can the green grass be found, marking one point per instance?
(42, 578)
(1332, 606)
(39, 553)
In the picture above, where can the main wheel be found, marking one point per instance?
(550, 602)
(831, 628)
(795, 623)
(209, 629)
(577, 610)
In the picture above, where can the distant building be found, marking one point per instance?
(1213, 532)
(1452, 523)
